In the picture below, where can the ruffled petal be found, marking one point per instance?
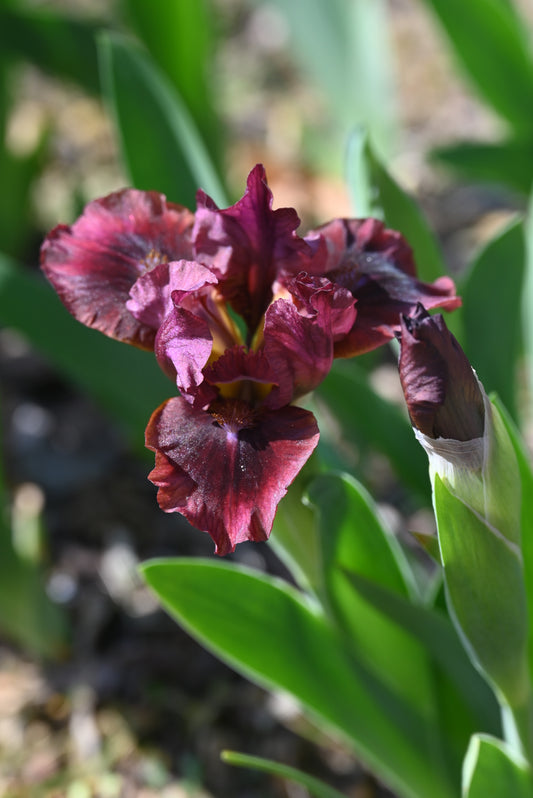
(376, 265)
(182, 346)
(94, 263)
(299, 335)
(152, 295)
(248, 245)
(227, 482)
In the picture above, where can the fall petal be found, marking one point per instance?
(94, 263)
(227, 482)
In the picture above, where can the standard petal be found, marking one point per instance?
(299, 335)
(151, 296)
(182, 346)
(299, 350)
(94, 263)
(376, 265)
(248, 245)
(224, 482)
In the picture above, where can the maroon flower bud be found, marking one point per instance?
(442, 392)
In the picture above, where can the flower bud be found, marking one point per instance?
(442, 392)
(477, 499)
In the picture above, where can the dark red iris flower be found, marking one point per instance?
(230, 445)
(246, 316)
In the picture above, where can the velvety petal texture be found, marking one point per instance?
(299, 334)
(377, 267)
(227, 472)
(248, 245)
(151, 295)
(94, 263)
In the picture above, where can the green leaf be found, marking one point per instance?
(490, 42)
(180, 38)
(354, 537)
(375, 193)
(160, 144)
(492, 341)
(61, 45)
(492, 769)
(485, 590)
(295, 537)
(435, 631)
(366, 418)
(27, 615)
(527, 307)
(18, 177)
(526, 518)
(275, 636)
(344, 49)
(312, 785)
(508, 162)
(355, 540)
(125, 381)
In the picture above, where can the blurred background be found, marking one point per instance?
(101, 695)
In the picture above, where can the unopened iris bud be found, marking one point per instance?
(477, 499)
(442, 392)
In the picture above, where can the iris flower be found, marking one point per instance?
(246, 317)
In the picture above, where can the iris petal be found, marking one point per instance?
(376, 265)
(224, 482)
(248, 245)
(94, 263)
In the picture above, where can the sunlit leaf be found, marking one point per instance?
(313, 786)
(439, 638)
(493, 769)
(485, 588)
(275, 636)
(526, 477)
(508, 162)
(490, 42)
(356, 540)
(492, 297)
(181, 40)
(160, 144)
